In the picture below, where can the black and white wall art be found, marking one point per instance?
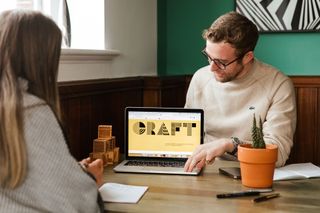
(282, 15)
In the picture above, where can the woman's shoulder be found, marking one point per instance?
(30, 100)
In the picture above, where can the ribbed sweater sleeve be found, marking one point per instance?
(55, 182)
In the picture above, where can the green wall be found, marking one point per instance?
(180, 25)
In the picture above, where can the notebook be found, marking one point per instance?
(160, 140)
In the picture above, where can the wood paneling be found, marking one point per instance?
(164, 91)
(86, 104)
(306, 146)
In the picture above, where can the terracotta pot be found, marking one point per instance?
(257, 165)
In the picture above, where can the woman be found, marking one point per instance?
(37, 172)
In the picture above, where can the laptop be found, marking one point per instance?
(160, 140)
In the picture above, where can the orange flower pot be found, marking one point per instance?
(257, 165)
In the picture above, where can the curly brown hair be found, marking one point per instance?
(235, 29)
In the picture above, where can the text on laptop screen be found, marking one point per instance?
(163, 134)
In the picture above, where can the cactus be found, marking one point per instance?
(257, 134)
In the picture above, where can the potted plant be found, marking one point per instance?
(257, 160)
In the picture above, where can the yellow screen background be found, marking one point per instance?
(179, 142)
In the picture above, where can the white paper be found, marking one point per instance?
(121, 193)
(296, 171)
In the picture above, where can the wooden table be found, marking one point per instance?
(174, 193)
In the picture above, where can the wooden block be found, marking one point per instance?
(116, 155)
(110, 158)
(110, 143)
(113, 139)
(99, 145)
(104, 131)
(98, 155)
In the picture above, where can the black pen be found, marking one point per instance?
(265, 197)
(238, 194)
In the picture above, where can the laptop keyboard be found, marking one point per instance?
(179, 164)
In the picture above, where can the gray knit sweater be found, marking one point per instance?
(55, 182)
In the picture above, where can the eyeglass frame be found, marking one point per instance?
(217, 62)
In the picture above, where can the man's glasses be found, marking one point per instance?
(217, 62)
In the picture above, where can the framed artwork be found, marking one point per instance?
(282, 15)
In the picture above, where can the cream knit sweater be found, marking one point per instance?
(226, 106)
(55, 182)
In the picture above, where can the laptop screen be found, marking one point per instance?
(163, 132)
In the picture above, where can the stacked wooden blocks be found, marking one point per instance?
(104, 147)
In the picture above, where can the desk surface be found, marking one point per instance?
(175, 193)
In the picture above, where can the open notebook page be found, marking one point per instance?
(121, 193)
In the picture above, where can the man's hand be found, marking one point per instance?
(206, 153)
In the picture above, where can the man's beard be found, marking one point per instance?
(227, 77)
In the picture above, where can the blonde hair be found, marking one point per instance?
(30, 45)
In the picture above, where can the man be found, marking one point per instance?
(233, 87)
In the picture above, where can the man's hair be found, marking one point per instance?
(235, 29)
(30, 45)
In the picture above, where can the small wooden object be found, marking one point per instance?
(99, 155)
(104, 131)
(104, 147)
(110, 157)
(99, 145)
(116, 155)
(111, 143)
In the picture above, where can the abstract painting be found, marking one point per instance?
(282, 15)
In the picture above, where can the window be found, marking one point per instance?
(87, 24)
(86, 19)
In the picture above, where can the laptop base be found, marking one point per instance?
(152, 170)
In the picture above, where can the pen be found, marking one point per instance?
(238, 194)
(265, 197)
(265, 190)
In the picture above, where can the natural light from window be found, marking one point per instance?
(86, 17)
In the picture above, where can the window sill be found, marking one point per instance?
(81, 55)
